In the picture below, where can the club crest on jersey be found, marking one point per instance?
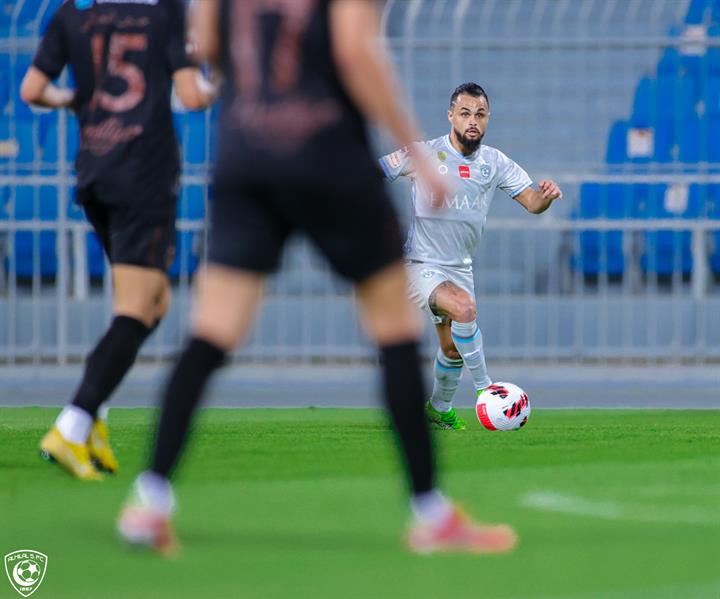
(26, 569)
(464, 171)
(485, 172)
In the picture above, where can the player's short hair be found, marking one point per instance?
(469, 89)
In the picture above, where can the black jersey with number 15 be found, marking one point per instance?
(285, 114)
(123, 54)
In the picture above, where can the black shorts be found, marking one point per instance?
(357, 229)
(141, 233)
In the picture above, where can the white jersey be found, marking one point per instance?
(449, 236)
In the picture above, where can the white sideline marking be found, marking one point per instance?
(550, 501)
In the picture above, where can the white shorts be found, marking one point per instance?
(424, 278)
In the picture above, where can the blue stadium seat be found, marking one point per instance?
(713, 212)
(28, 22)
(666, 251)
(712, 94)
(617, 143)
(190, 128)
(712, 54)
(22, 64)
(666, 106)
(696, 12)
(4, 68)
(6, 12)
(95, 253)
(51, 9)
(191, 206)
(31, 203)
(712, 133)
(602, 251)
(666, 96)
(72, 139)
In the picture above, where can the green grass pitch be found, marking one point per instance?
(308, 503)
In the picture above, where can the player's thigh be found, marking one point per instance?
(247, 229)
(386, 311)
(422, 280)
(226, 303)
(452, 301)
(142, 232)
(98, 215)
(357, 230)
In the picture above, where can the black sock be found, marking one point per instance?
(109, 362)
(405, 400)
(180, 399)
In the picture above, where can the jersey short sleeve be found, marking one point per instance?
(52, 54)
(512, 178)
(177, 54)
(396, 164)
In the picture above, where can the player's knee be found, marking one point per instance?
(464, 311)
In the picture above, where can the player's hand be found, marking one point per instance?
(550, 190)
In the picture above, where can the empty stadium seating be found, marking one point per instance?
(602, 251)
(674, 122)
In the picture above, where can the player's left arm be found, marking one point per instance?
(538, 200)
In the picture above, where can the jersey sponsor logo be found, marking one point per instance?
(442, 156)
(464, 171)
(395, 159)
(460, 203)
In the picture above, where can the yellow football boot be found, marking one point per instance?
(99, 445)
(73, 457)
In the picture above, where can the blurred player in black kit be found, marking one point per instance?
(301, 78)
(125, 56)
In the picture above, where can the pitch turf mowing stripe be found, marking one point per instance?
(550, 501)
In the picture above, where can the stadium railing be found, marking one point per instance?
(617, 101)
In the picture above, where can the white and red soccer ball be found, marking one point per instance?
(503, 407)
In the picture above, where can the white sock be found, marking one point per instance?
(430, 507)
(74, 424)
(102, 413)
(155, 491)
(448, 372)
(469, 343)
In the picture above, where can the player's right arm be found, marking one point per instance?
(50, 59)
(37, 89)
(369, 80)
(192, 88)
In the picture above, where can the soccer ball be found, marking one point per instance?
(503, 407)
(28, 570)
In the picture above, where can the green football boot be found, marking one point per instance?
(448, 420)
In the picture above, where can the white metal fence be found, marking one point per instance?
(561, 74)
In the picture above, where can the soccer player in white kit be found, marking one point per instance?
(441, 242)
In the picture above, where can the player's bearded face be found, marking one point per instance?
(469, 117)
